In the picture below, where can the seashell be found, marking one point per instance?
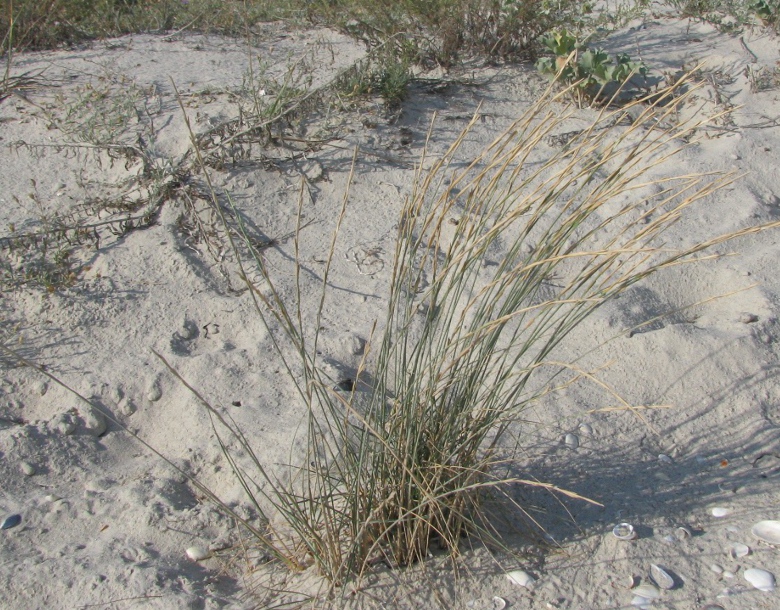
(647, 591)
(664, 459)
(661, 577)
(767, 531)
(624, 531)
(727, 486)
(716, 568)
(682, 533)
(760, 579)
(586, 429)
(27, 469)
(197, 553)
(641, 602)
(739, 550)
(719, 511)
(521, 578)
(728, 574)
(10, 521)
(572, 441)
(499, 603)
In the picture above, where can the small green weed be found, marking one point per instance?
(767, 10)
(385, 75)
(592, 70)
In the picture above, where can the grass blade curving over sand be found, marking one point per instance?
(404, 460)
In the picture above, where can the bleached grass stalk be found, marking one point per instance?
(468, 342)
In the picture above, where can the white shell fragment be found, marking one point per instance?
(767, 531)
(664, 459)
(719, 511)
(572, 441)
(682, 533)
(499, 603)
(196, 553)
(661, 577)
(624, 531)
(739, 550)
(586, 429)
(521, 578)
(647, 591)
(641, 602)
(760, 579)
(716, 568)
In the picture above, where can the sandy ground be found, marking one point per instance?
(105, 523)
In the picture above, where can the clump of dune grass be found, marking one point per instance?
(469, 339)
(439, 31)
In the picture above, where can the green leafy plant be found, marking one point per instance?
(591, 70)
(766, 10)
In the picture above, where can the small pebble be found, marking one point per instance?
(117, 394)
(94, 421)
(728, 574)
(64, 424)
(739, 550)
(748, 318)
(572, 441)
(716, 568)
(719, 512)
(197, 553)
(27, 469)
(10, 521)
(127, 407)
(586, 429)
(155, 392)
(664, 459)
(356, 345)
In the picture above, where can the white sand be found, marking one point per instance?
(105, 523)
